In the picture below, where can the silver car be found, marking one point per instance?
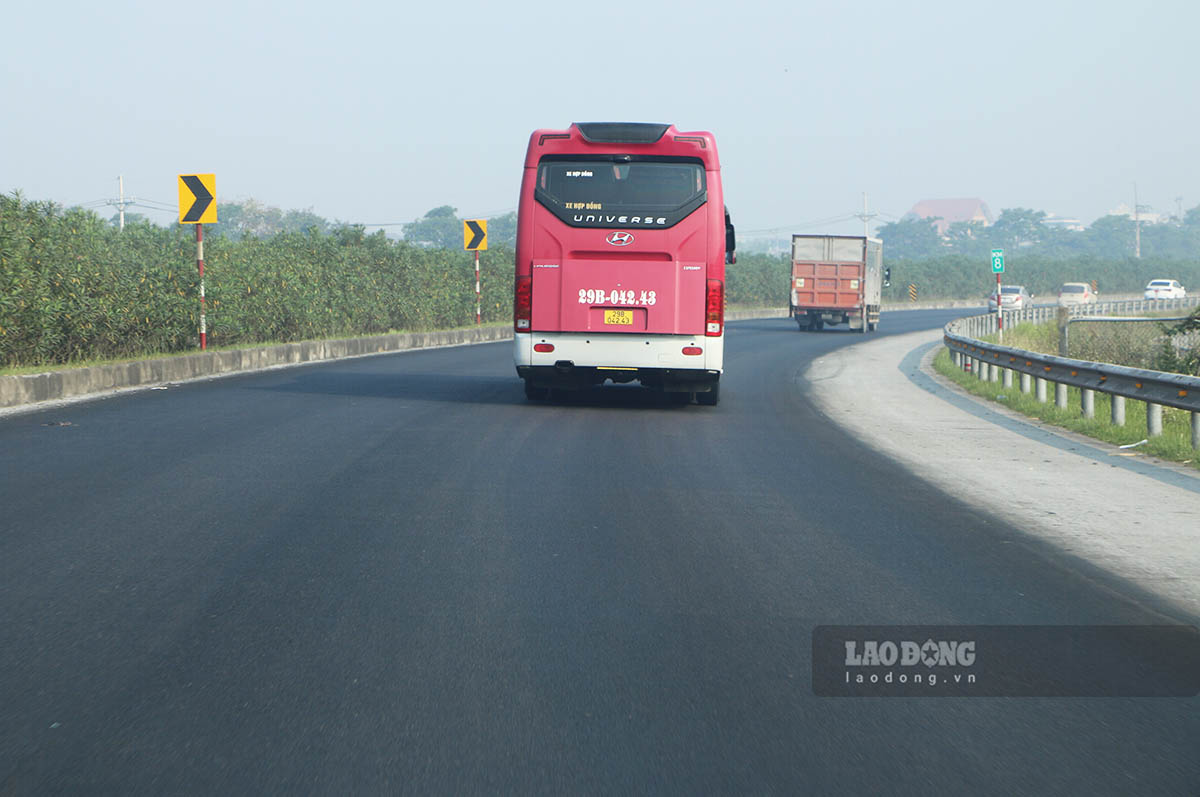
(1012, 297)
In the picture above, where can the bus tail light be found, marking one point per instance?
(523, 304)
(543, 347)
(714, 309)
(692, 351)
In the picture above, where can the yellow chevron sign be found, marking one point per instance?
(474, 234)
(197, 199)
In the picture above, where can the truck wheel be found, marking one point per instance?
(710, 398)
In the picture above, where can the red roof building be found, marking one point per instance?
(949, 211)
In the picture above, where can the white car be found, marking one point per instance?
(1164, 289)
(1073, 293)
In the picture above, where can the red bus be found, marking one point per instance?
(622, 240)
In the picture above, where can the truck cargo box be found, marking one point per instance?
(836, 279)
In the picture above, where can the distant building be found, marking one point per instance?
(1144, 216)
(949, 211)
(1063, 223)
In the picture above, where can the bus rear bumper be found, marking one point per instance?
(577, 361)
(568, 376)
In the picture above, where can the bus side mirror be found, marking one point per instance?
(887, 278)
(730, 242)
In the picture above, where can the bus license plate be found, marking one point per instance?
(621, 317)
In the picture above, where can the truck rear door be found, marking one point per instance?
(827, 272)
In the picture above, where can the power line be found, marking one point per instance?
(800, 226)
(120, 203)
(491, 215)
(156, 205)
(866, 217)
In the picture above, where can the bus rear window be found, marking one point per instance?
(596, 192)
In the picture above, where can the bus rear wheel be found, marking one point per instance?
(536, 393)
(710, 398)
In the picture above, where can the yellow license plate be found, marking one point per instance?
(621, 317)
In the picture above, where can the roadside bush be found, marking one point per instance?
(758, 279)
(73, 287)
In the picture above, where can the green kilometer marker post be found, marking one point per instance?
(998, 269)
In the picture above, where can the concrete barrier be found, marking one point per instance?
(21, 389)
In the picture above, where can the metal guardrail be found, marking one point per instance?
(1128, 306)
(994, 362)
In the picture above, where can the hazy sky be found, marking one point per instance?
(375, 112)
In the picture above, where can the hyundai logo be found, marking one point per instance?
(620, 238)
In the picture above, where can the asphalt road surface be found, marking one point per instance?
(395, 574)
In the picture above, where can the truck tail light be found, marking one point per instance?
(714, 309)
(523, 304)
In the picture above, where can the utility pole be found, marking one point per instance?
(866, 217)
(121, 202)
(1137, 227)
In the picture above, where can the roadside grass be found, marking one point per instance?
(1133, 345)
(1175, 443)
(1042, 338)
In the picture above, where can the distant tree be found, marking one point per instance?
(503, 229)
(255, 219)
(1059, 243)
(304, 220)
(249, 218)
(1111, 236)
(1191, 218)
(1018, 227)
(968, 237)
(911, 238)
(439, 228)
(350, 234)
(130, 217)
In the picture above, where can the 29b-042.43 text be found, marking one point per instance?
(617, 297)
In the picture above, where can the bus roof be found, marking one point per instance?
(623, 138)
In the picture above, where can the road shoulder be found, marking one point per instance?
(1133, 516)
